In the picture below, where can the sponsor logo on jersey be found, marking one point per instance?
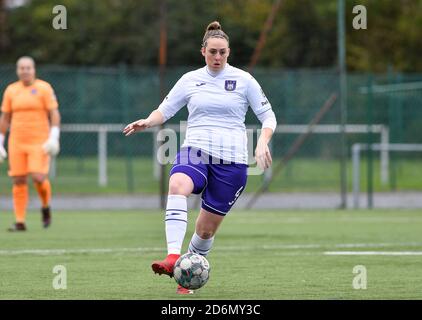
(230, 85)
(263, 103)
(200, 84)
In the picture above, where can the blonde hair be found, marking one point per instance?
(214, 31)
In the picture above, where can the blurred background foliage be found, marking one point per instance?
(111, 32)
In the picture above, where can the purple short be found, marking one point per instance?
(219, 182)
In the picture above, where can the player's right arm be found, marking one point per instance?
(174, 101)
(5, 118)
(155, 119)
(4, 122)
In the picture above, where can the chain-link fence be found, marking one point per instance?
(97, 96)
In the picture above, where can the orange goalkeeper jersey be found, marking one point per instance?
(29, 107)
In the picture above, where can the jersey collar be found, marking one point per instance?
(217, 74)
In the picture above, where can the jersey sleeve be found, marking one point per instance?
(256, 98)
(6, 105)
(175, 100)
(50, 99)
(260, 105)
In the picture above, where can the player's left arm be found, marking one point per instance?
(55, 118)
(263, 110)
(52, 145)
(262, 151)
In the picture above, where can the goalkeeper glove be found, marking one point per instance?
(52, 145)
(3, 153)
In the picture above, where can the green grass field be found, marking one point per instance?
(257, 255)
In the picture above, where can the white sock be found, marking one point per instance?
(176, 222)
(199, 245)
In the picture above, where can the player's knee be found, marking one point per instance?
(19, 180)
(177, 187)
(180, 185)
(205, 234)
(38, 178)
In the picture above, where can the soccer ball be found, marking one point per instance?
(191, 271)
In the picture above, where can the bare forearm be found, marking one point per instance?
(266, 134)
(3, 127)
(155, 119)
(4, 123)
(55, 118)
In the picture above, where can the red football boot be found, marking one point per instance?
(181, 290)
(166, 266)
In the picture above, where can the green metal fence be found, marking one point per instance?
(121, 94)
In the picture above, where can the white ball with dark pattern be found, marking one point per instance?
(191, 271)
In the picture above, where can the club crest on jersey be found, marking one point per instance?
(34, 91)
(230, 85)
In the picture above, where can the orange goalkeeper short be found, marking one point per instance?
(27, 158)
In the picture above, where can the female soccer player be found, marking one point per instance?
(30, 108)
(213, 159)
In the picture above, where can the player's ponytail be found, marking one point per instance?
(215, 25)
(214, 30)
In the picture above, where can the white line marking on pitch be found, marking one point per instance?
(226, 248)
(373, 253)
(75, 251)
(340, 245)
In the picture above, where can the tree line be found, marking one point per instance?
(303, 35)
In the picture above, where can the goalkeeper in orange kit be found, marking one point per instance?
(30, 109)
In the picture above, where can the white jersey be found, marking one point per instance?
(217, 105)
